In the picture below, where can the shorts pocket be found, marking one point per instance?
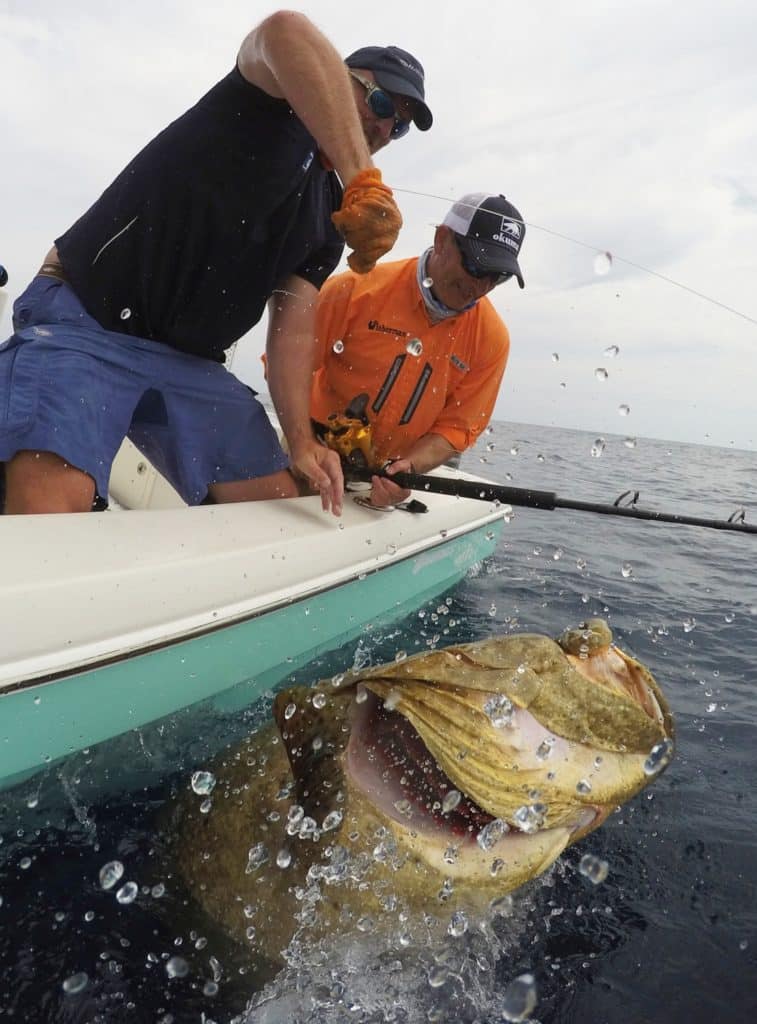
(19, 384)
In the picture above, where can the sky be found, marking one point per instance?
(615, 127)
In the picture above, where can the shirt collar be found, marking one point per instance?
(436, 310)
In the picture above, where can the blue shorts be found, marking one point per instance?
(70, 387)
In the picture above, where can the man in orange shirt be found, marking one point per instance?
(418, 344)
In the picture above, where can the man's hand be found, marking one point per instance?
(368, 219)
(321, 467)
(384, 492)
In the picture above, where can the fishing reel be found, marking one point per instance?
(349, 434)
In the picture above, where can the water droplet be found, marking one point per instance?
(659, 757)
(711, 707)
(514, 450)
(499, 711)
(111, 873)
(414, 347)
(501, 906)
(392, 699)
(451, 799)
(332, 820)
(283, 859)
(127, 893)
(400, 656)
(428, 282)
(729, 616)
(203, 783)
(602, 263)
(125, 314)
(492, 610)
(519, 998)
(624, 410)
(257, 855)
(210, 988)
(289, 710)
(491, 446)
(689, 623)
(384, 851)
(492, 833)
(437, 976)
(612, 351)
(391, 549)
(76, 983)
(557, 554)
(544, 750)
(629, 442)
(601, 373)
(555, 357)
(458, 924)
(295, 817)
(597, 448)
(338, 347)
(583, 787)
(530, 817)
(593, 868)
(404, 807)
(581, 564)
(626, 570)
(177, 967)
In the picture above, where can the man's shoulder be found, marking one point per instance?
(484, 326)
(384, 275)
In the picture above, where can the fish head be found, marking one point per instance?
(484, 760)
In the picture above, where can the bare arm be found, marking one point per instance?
(288, 57)
(426, 453)
(289, 355)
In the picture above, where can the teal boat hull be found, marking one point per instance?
(232, 664)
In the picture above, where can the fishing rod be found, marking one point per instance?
(482, 490)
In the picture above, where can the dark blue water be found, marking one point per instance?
(671, 935)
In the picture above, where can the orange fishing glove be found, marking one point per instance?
(368, 219)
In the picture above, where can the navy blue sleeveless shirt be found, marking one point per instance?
(191, 239)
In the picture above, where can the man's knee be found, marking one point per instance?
(41, 482)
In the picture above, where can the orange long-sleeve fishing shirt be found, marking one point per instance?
(374, 335)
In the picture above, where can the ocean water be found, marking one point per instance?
(670, 935)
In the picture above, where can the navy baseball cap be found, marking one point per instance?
(491, 232)
(397, 71)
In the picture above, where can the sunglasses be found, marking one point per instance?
(474, 270)
(382, 105)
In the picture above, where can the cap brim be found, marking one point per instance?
(422, 116)
(493, 258)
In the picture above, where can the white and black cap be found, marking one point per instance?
(491, 232)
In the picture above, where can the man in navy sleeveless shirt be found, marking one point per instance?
(235, 205)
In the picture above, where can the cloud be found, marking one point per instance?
(627, 128)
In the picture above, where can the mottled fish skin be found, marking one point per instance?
(313, 823)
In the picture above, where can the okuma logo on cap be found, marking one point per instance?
(508, 230)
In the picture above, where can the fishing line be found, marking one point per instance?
(599, 249)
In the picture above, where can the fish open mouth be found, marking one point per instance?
(389, 762)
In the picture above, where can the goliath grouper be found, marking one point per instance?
(455, 775)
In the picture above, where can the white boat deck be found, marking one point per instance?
(79, 589)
